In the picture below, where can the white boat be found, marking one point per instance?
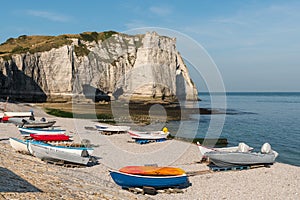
(67, 148)
(152, 135)
(28, 123)
(242, 147)
(17, 114)
(45, 152)
(22, 146)
(228, 159)
(19, 145)
(7, 115)
(28, 131)
(112, 128)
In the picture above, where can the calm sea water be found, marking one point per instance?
(256, 118)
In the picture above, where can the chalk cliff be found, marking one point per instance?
(139, 67)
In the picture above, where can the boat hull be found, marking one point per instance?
(17, 114)
(111, 128)
(67, 149)
(130, 180)
(242, 147)
(45, 152)
(26, 123)
(19, 145)
(227, 159)
(28, 131)
(22, 146)
(40, 124)
(154, 135)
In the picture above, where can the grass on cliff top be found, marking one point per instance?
(38, 43)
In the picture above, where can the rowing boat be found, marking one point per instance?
(126, 180)
(152, 135)
(28, 131)
(49, 152)
(111, 128)
(28, 123)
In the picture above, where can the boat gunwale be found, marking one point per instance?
(61, 147)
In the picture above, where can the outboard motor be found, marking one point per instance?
(243, 147)
(85, 153)
(266, 148)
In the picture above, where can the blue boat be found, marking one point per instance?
(129, 180)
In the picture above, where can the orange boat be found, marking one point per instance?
(152, 171)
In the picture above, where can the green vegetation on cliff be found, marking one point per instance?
(37, 43)
(66, 114)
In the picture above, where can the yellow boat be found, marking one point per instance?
(152, 171)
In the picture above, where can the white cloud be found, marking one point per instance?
(48, 15)
(160, 10)
(133, 24)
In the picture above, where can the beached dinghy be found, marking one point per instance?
(28, 131)
(228, 159)
(22, 146)
(66, 148)
(28, 123)
(18, 114)
(242, 147)
(49, 152)
(7, 115)
(152, 135)
(111, 128)
(126, 180)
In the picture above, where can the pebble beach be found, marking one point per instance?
(27, 177)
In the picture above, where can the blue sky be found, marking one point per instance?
(255, 44)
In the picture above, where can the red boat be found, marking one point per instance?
(52, 137)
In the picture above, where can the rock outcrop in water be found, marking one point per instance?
(140, 67)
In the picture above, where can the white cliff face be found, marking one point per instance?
(141, 67)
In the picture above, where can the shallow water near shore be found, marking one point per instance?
(256, 118)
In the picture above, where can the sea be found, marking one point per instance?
(255, 118)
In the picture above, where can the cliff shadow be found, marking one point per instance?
(20, 87)
(180, 87)
(10, 182)
(118, 93)
(3, 80)
(94, 94)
